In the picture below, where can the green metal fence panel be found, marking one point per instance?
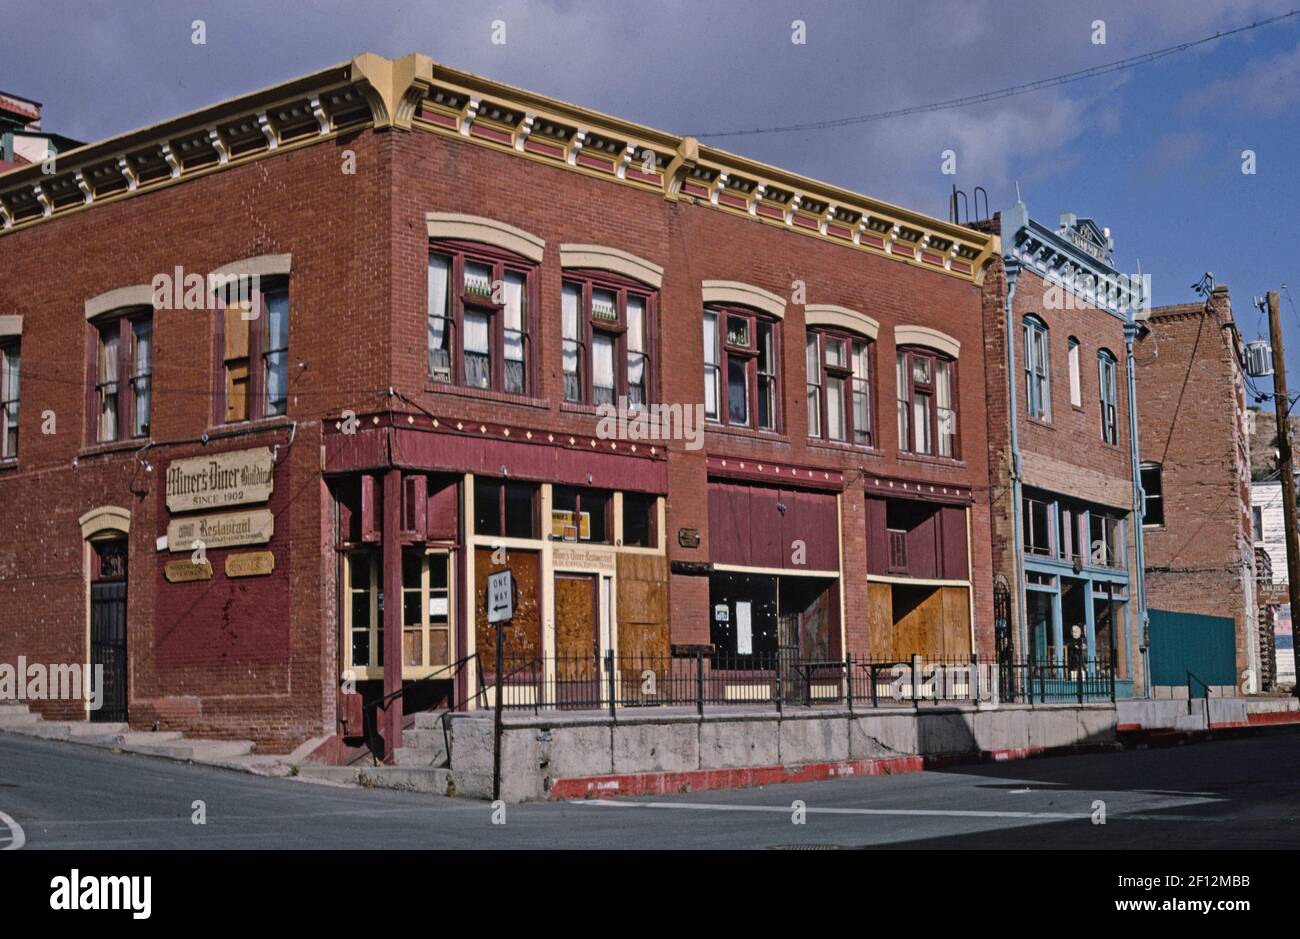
(1192, 642)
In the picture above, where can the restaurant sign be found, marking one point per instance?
(220, 531)
(239, 477)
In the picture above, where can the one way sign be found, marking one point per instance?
(500, 596)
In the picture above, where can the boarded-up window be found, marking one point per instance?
(523, 634)
(766, 526)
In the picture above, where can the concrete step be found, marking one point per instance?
(46, 731)
(13, 707)
(193, 750)
(420, 757)
(328, 773)
(95, 728)
(419, 739)
(429, 720)
(406, 778)
(13, 717)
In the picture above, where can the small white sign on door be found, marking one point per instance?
(744, 631)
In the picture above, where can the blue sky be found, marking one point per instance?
(1154, 152)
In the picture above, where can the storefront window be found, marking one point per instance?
(640, 515)
(505, 508)
(426, 610)
(580, 514)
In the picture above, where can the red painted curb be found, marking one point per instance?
(641, 784)
(1274, 717)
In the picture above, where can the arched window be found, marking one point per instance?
(839, 386)
(927, 402)
(740, 367)
(1106, 371)
(1038, 388)
(480, 299)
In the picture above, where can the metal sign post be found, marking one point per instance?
(500, 604)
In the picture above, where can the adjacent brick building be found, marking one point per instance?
(1058, 320)
(357, 336)
(1197, 469)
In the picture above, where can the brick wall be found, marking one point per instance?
(1191, 404)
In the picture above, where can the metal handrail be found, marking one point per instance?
(371, 725)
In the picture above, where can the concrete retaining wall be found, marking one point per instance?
(538, 752)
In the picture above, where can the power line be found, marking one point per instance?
(1009, 92)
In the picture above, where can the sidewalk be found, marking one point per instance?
(171, 745)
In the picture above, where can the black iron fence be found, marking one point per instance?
(779, 680)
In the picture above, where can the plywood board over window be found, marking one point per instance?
(930, 621)
(523, 636)
(642, 606)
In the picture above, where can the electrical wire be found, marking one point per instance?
(1008, 92)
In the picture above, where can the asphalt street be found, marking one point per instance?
(1223, 794)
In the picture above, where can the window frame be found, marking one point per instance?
(503, 484)
(1147, 498)
(935, 357)
(826, 371)
(259, 350)
(10, 347)
(605, 511)
(1072, 365)
(1038, 371)
(749, 354)
(1108, 368)
(373, 668)
(459, 299)
(122, 323)
(589, 325)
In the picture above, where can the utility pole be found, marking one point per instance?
(1286, 459)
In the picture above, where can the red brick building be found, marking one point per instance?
(1066, 540)
(1196, 461)
(358, 336)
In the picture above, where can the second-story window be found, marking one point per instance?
(121, 375)
(606, 325)
(253, 348)
(1038, 389)
(740, 368)
(478, 318)
(927, 403)
(10, 355)
(839, 387)
(1109, 413)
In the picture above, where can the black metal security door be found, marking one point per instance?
(108, 629)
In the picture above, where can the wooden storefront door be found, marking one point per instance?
(577, 641)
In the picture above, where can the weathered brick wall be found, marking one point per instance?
(335, 227)
(694, 243)
(1191, 404)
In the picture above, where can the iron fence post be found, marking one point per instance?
(613, 693)
(1112, 675)
(871, 677)
(848, 679)
(780, 684)
(1078, 673)
(916, 700)
(699, 682)
(975, 676)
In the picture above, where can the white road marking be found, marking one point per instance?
(18, 839)
(826, 810)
